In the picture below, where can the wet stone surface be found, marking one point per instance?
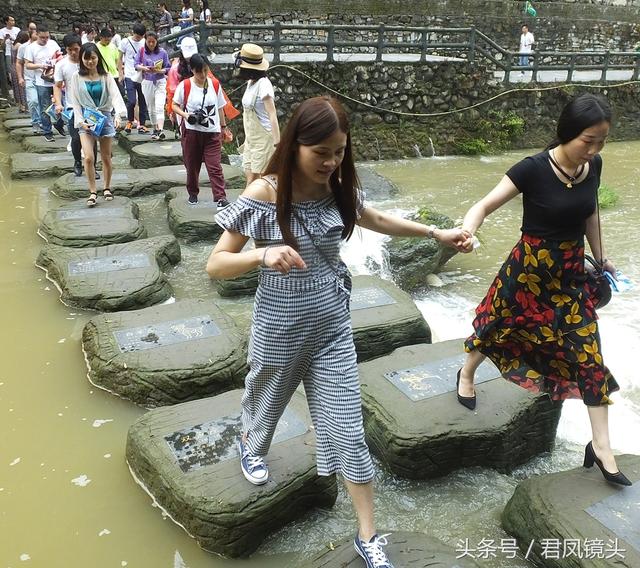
(194, 222)
(211, 499)
(13, 123)
(153, 154)
(579, 506)
(76, 225)
(19, 134)
(113, 277)
(133, 182)
(416, 426)
(38, 145)
(410, 549)
(384, 318)
(129, 141)
(166, 354)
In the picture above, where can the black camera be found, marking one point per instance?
(198, 116)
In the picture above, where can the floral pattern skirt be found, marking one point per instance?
(538, 325)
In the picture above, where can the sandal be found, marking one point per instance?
(93, 199)
(108, 196)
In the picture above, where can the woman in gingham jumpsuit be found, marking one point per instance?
(301, 326)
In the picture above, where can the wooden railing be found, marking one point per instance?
(420, 42)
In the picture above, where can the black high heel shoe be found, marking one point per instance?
(590, 458)
(466, 401)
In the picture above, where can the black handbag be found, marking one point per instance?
(597, 282)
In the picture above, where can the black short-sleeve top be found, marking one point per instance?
(551, 210)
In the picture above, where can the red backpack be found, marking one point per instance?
(187, 87)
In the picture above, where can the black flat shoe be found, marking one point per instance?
(590, 458)
(466, 401)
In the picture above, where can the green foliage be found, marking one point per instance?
(495, 133)
(607, 197)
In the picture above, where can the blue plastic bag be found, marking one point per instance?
(95, 120)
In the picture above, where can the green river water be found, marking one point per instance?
(57, 427)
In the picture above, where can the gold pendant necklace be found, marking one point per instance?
(571, 179)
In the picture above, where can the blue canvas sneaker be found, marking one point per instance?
(372, 552)
(253, 467)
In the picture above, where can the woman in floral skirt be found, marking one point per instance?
(538, 321)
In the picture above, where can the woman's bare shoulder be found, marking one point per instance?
(261, 190)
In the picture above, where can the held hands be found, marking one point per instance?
(609, 267)
(283, 259)
(459, 239)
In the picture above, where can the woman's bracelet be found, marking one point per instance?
(431, 230)
(264, 256)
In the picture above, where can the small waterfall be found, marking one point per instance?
(417, 152)
(433, 148)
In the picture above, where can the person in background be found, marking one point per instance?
(28, 78)
(166, 20)
(199, 100)
(94, 88)
(41, 57)
(205, 12)
(298, 215)
(186, 19)
(260, 120)
(110, 55)
(7, 35)
(153, 61)
(17, 80)
(32, 27)
(89, 36)
(129, 49)
(526, 46)
(116, 38)
(76, 29)
(538, 321)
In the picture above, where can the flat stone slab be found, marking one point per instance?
(243, 285)
(384, 318)
(185, 457)
(19, 134)
(194, 222)
(132, 182)
(12, 123)
(166, 354)
(76, 225)
(589, 522)
(154, 154)
(410, 549)
(27, 164)
(129, 141)
(12, 113)
(416, 426)
(114, 277)
(38, 145)
(376, 186)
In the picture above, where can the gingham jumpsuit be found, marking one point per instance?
(301, 331)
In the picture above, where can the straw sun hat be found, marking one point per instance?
(251, 56)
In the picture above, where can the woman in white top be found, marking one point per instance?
(260, 120)
(205, 13)
(94, 89)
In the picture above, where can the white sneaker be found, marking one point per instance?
(372, 552)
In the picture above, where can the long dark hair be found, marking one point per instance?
(22, 37)
(251, 74)
(581, 113)
(184, 69)
(87, 49)
(312, 122)
(149, 34)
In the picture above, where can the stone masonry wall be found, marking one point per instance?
(432, 88)
(600, 24)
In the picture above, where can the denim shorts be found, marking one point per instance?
(108, 130)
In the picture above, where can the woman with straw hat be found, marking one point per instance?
(260, 120)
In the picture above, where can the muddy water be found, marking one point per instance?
(66, 496)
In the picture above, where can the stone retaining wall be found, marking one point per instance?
(595, 24)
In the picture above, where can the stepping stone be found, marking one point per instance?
(384, 318)
(185, 457)
(116, 277)
(76, 225)
(194, 222)
(38, 145)
(410, 549)
(129, 141)
(377, 187)
(243, 285)
(416, 426)
(27, 164)
(132, 182)
(154, 154)
(587, 522)
(13, 123)
(166, 354)
(19, 134)
(12, 113)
